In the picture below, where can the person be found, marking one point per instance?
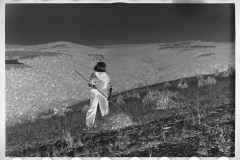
(101, 91)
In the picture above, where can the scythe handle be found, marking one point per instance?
(102, 94)
(88, 81)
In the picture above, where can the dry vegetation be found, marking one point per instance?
(158, 120)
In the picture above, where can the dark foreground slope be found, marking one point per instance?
(174, 122)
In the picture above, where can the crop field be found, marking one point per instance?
(164, 119)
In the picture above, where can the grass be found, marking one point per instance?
(195, 121)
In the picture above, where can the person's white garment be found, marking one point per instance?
(102, 82)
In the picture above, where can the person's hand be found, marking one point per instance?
(109, 98)
(91, 85)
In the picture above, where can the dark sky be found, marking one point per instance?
(107, 24)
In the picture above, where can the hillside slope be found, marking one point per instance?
(175, 122)
(52, 84)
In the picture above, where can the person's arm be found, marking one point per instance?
(90, 82)
(110, 87)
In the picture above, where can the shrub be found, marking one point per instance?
(210, 80)
(202, 82)
(162, 99)
(167, 84)
(120, 100)
(118, 121)
(230, 71)
(182, 84)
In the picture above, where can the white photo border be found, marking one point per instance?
(2, 72)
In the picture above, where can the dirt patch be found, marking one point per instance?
(9, 66)
(205, 55)
(12, 62)
(147, 59)
(202, 46)
(61, 45)
(11, 55)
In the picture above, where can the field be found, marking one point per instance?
(174, 99)
(193, 121)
